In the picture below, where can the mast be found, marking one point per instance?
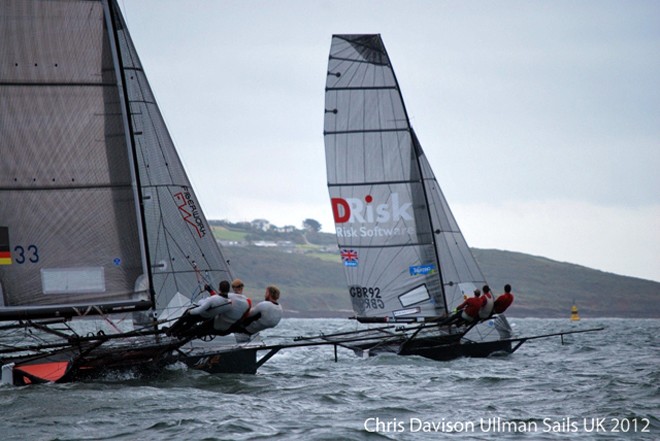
(110, 7)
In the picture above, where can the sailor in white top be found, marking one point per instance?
(238, 307)
(266, 314)
(206, 309)
(487, 309)
(198, 321)
(210, 307)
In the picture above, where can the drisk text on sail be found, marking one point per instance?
(358, 211)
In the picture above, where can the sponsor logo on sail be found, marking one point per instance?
(349, 257)
(422, 270)
(189, 211)
(364, 212)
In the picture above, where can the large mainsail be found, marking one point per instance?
(96, 211)
(404, 255)
(68, 195)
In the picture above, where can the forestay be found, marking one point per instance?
(403, 253)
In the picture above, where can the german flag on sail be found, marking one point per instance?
(5, 251)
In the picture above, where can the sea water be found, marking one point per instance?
(592, 386)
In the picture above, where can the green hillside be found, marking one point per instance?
(307, 267)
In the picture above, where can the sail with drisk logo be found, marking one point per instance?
(405, 259)
(411, 260)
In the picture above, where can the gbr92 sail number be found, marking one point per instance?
(369, 297)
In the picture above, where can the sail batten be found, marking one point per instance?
(360, 88)
(380, 246)
(372, 183)
(53, 84)
(358, 131)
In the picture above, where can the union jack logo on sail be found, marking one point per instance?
(349, 257)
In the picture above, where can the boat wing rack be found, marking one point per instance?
(522, 340)
(383, 335)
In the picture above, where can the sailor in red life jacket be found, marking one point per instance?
(471, 306)
(266, 314)
(487, 308)
(504, 300)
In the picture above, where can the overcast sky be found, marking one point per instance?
(541, 120)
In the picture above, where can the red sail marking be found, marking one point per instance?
(185, 213)
(52, 371)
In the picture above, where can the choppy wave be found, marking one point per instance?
(588, 388)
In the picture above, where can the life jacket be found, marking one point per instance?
(503, 302)
(247, 313)
(472, 306)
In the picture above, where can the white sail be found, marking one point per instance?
(404, 255)
(68, 194)
(96, 209)
(102, 238)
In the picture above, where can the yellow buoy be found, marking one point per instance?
(574, 313)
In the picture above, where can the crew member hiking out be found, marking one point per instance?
(266, 314)
(488, 301)
(240, 307)
(233, 308)
(207, 309)
(504, 300)
(467, 311)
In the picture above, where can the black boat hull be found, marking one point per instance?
(446, 352)
(238, 361)
(435, 348)
(72, 365)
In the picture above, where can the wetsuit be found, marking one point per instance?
(266, 314)
(206, 309)
(210, 307)
(239, 306)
